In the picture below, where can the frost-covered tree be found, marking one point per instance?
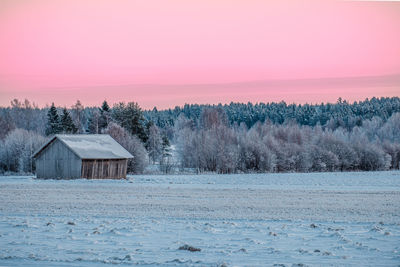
(187, 149)
(166, 147)
(79, 116)
(322, 160)
(130, 143)
(371, 156)
(390, 131)
(255, 153)
(6, 125)
(25, 115)
(17, 150)
(213, 117)
(336, 144)
(392, 149)
(166, 162)
(154, 143)
(94, 122)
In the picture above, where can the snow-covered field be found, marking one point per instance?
(321, 219)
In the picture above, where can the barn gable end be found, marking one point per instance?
(57, 161)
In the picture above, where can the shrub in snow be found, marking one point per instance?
(189, 248)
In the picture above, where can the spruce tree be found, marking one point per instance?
(130, 117)
(147, 127)
(67, 124)
(53, 121)
(105, 106)
(104, 118)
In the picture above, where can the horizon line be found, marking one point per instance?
(168, 96)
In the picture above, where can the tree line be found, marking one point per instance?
(340, 114)
(231, 138)
(288, 147)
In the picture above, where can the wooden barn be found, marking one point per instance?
(94, 156)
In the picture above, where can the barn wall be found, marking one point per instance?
(57, 161)
(104, 168)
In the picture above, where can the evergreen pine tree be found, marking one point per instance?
(104, 118)
(148, 125)
(67, 124)
(131, 118)
(105, 106)
(53, 121)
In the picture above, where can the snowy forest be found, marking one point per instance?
(230, 138)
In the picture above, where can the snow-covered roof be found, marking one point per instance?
(91, 146)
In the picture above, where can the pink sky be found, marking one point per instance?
(170, 52)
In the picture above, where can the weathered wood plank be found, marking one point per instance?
(104, 169)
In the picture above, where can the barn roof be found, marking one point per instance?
(90, 146)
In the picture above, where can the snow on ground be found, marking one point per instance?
(319, 219)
